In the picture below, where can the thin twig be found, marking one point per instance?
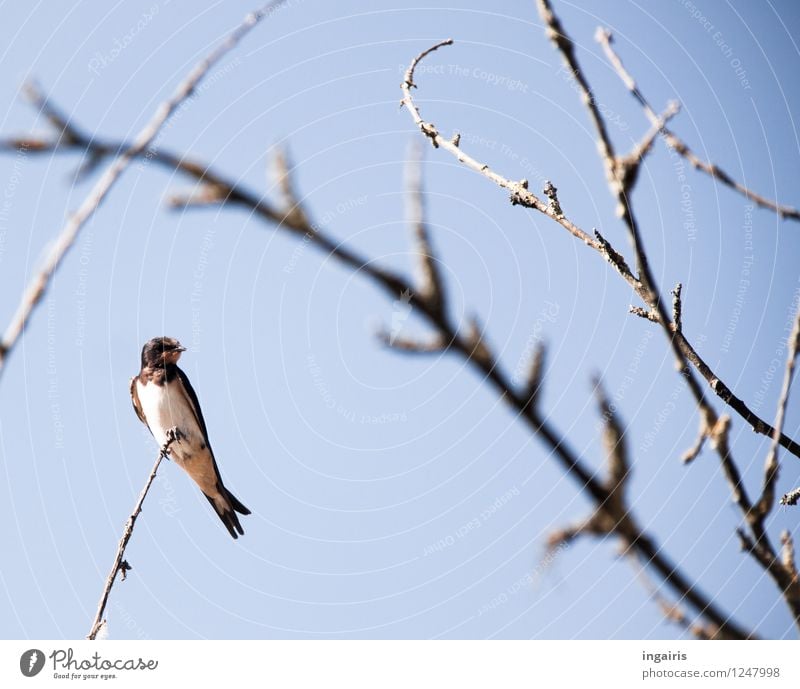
(429, 280)
(692, 453)
(605, 38)
(784, 577)
(565, 46)
(283, 173)
(121, 565)
(647, 314)
(519, 190)
(412, 346)
(619, 466)
(627, 168)
(791, 498)
(38, 286)
(677, 308)
(533, 384)
(673, 612)
(719, 435)
(771, 466)
(787, 554)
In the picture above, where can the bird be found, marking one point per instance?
(165, 401)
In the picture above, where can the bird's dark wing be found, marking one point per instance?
(229, 518)
(194, 404)
(137, 406)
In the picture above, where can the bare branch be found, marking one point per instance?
(563, 43)
(522, 196)
(533, 384)
(564, 536)
(121, 565)
(677, 308)
(519, 190)
(718, 435)
(646, 144)
(406, 344)
(428, 279)
(616, 259)
(476, 345)
(626, 169)
(692, 453)
(283, 173)
(67, 132)
(771, 466)
(787, 554)
(605, 38)
(552, 193)
(619, 467)
(200, 195)
(784, 577)
(791, 498)
(38, 286)
(672, 611)
(647, 314)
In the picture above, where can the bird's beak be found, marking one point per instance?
(181, 348)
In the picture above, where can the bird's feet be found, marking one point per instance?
(174, 435)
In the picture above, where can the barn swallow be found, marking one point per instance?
(166, 403)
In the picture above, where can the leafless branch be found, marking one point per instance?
(552, 193)
(626, 528)
(476, 346)
(692, 453)
(615, 259)
(673, 612)
(677, 308)
(619, 467)
(519, 190)
(521, 195)
(626, 169)
(283, 173)
(783, 576)
(791, 498)
(407, 344)
(38, 286)
(200, 195)
(605, 38)
(534, 381)
(719, 435)
(613, 518)
(429, 282)
(121, 565)
(566, 48)
(787, 554)
(648, 315)
(67, 132)
(620, 181)
(771, 466)
(566, 535)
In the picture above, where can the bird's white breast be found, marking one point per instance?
(165, 408)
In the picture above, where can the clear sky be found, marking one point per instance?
(392, 496)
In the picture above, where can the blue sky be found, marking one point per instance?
(392, 496)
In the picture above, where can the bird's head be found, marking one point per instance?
(161, 351)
